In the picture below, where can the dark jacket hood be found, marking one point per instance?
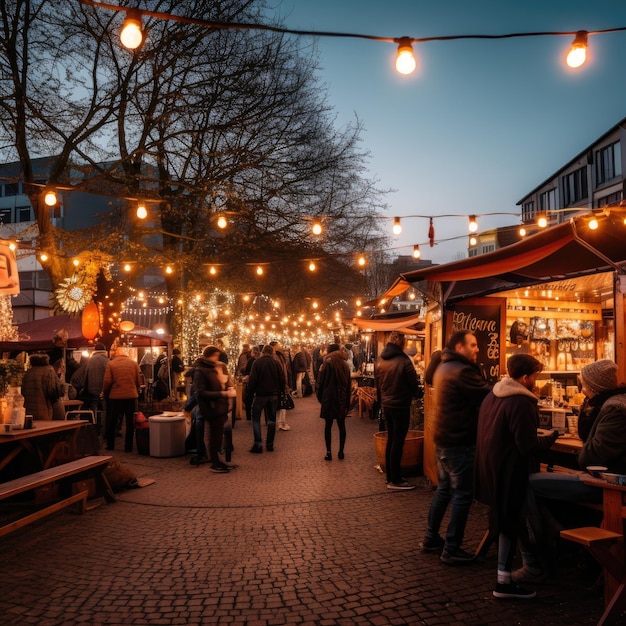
(390, 351)
(39, 359)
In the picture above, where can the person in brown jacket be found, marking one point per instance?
(41, 387)
(120, 389)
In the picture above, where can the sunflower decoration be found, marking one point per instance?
(73, 294)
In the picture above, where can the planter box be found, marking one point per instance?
(412, 452)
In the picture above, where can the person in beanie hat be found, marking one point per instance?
(604, 442)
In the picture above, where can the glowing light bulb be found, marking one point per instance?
(542, 221)
(361, 261)
(259, 271)
(212, 270)
(522, 231)
(316, 228)
(131, 34)
(127, 267)
(416, 252)
(593, 223)
(312, 266)
(169, 270)
(142, 212)
(50, 197)
(578, 52)
(397, 226)
(473, 224)
(405, 60)
(222, 222)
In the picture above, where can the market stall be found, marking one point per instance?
(558, 295)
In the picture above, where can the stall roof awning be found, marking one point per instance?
(564, 251)
(410, 323)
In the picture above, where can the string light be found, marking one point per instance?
(542, 220)
(131, 34)
(50, 197)
(473, 224)
(142, 212)
(397, 226)
(416, 252)
(593, 223)
(316, 229)
(578, 52)
(405, 60)
(222, 222)
(312, 266)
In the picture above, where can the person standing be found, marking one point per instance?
(459, 387)
(255, 354)
(244, 357)
(209, 387)
(283, 359)
(266, 383)
(120, 389)
(178, 367)
(397, 383)
(89, 378)
(301, 366)
(41, 387)
(333, 392)
(506, 452)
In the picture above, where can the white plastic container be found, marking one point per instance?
(167, 435)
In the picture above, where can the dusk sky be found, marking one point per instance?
(480, 123)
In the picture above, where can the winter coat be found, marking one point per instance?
(267, 377)
(397, 381)
(41, 388)
(606, 443)
(121, 378)
(506, 451)
(459, 389)
(333, 386)
(207, 389)
(91, 372)
(301, 362)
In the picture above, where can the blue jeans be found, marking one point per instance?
(269, 404)
(455, 473)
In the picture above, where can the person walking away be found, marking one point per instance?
(209, 387)
(120, 390)
(281, 357)
(397, 383)
(266, 383)
(301, 366)
(244, 357)
(89, 378)
(178, 367)
(247, 398)
(333, 393)
(41, 387)
(506, 453)
(459, 388)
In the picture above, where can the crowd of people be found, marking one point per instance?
(486, 437)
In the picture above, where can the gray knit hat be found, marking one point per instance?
(600, 376)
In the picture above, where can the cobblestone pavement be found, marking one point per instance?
(287, 538)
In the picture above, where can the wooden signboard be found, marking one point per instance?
(486, 318)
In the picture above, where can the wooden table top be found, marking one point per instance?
(41, 427)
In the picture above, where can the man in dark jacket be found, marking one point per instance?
(266, 383)
(506, 452)
(397, 384)
(459, 389)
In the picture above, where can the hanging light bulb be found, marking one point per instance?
(522, 231)
(473, 241)
(259, 270)
(43, 257)
(542, 220)
(431, 233)
(142, 212)
(593, 223)
(50, 197)
(416, 252)
(316, 228)
(222, 222)
(131, 34)
(212, 270)
(361, 261)
(578, 52)
(473, 224)
(312, 266)
(405, 60)
(397, 226)
(169, 270)
(127, 267)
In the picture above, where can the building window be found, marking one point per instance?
(22, 214)
(11, 189)
(488, 248)
(473, 252)
(547, 201)
(5, 216)
(528, 211)
(574, 187)
(608, 163)
(612, 198)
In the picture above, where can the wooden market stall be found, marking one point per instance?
(559, 295)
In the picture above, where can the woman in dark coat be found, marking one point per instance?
(333, 392)
(506, 446)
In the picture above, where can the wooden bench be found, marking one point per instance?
(86, 466)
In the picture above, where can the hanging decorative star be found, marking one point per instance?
(72, 294)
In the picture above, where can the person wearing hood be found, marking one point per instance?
(333, 389)
(397, 383)
(210, 389)
(41, 387)
(459, 387)
(88, 379)
(507, 447)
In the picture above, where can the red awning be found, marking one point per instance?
(564, 251)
